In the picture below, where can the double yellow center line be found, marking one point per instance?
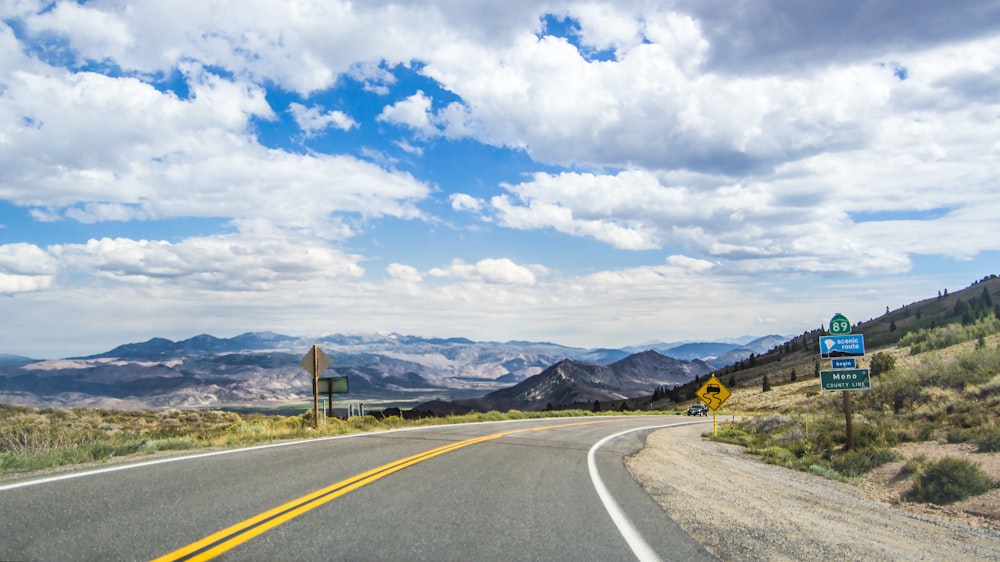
(231, 537)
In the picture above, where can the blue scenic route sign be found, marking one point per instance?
(849, 363)
(852, 345)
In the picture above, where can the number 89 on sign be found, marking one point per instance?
(839, 325)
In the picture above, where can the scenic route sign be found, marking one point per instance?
(713, 393)
(852, 345)
(845, 379)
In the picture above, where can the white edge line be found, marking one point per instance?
(143, 464)
(639, 546)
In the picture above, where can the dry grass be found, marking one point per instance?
(34, 439)
(942, 403)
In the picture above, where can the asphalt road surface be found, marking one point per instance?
(554, 489)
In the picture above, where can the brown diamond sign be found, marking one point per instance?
(315, 361)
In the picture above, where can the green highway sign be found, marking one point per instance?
(332, 385)
(840, 325)
(845, 379)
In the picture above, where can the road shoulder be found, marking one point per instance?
(742, 509)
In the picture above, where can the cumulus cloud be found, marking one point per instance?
(465, 202)
(495, 271)
(771, 140)
(414, 112)
(402, 272)
(261, 261)
(25, 267)
(117, 149)
(313, 119)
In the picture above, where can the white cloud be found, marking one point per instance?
(259, 260)
(412, 112)
(494, 271)
(116, 149)
(602, 27)
(748, 152)
(25, 267)
(403, 272)
(97, 35)
(312, 119)
(465, 202)
(689, 263)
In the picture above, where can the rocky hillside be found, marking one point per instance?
(570, 382)
(263, 367)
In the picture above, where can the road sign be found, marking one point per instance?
(845, 363)
(333, 385)
(852, 345)
(845, 379)
(315, 361)
(840, 325)
(713, 393)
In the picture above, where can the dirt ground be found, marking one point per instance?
(743, 509)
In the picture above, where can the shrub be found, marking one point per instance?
(824, 471)
(960, 435)
(949, 480)
(734, 436)
(989, 442)
(856, 463)
(882, 363)
(872, 435)
(770, 424)
(777, 455)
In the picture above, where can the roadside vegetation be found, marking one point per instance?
(34, 439)
(951, 396)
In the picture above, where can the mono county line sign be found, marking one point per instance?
(845, 379)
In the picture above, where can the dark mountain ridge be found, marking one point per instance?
(568, 382)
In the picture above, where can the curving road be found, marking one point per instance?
(553, 489)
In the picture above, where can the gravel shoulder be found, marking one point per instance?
(742, 509)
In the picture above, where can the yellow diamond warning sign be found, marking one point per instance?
(713, 393)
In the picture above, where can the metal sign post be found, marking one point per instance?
(842, 348)
(314, 362)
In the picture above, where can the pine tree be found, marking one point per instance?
(792, 376)
(767, 385)
(675, 393)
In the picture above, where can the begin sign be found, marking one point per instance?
(845, 379)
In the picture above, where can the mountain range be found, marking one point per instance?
(263, 367)
(575, 382)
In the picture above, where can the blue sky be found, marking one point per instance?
(592, 174)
